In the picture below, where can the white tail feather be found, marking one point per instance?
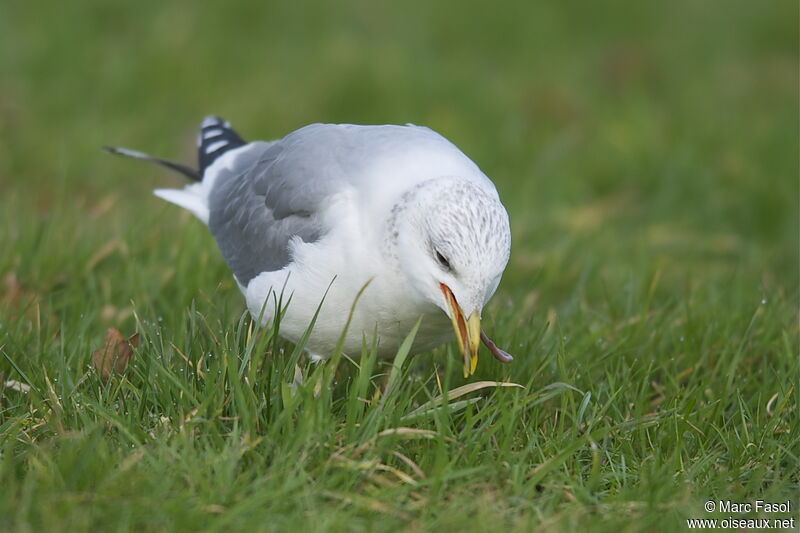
(191, 198)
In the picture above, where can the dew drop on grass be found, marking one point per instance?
(763, 301)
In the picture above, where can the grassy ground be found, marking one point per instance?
(648, 157)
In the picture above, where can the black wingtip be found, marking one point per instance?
(114, 150)
(216, 137)
(187, 171)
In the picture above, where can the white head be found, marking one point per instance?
(451, 239)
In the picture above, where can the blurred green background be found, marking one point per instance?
(658, 128)
(647, 153)
(654, 128)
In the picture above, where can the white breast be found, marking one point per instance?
(341, 264)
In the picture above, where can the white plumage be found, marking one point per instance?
(330, 208)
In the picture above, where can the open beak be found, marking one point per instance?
(468, 331)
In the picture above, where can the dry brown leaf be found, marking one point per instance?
(113, 357)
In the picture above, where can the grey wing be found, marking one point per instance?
(261, 202)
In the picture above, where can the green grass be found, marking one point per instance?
(648, 157)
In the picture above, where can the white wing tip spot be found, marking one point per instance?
(213, 147)
(210, 121)
(213, 132)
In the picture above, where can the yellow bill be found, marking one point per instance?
(468, 331)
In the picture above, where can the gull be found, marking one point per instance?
(394, 213)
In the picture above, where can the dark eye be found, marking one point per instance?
(442, 260)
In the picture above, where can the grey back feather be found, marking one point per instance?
(257, 207)
(275, 191)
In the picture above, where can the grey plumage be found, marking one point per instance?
(262, 195)
(255, 210)
(271, 192)
(330, 208)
